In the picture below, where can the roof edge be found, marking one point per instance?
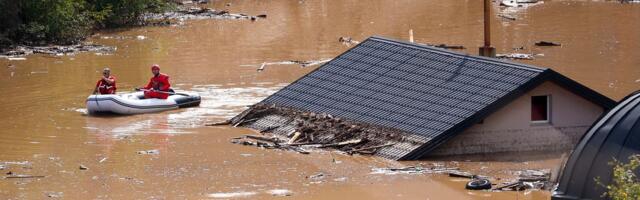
(583, 91)
(485, 112)
(546, 75)
(316, 69)
(455, 53)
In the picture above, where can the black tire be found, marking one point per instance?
(478, 184)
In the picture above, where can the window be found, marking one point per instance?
(540, 108)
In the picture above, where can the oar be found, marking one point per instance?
(172, 93)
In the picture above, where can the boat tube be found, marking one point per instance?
(135, 103)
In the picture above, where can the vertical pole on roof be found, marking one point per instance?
(487, 23)
(487, 50)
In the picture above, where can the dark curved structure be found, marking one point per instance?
(616, 135)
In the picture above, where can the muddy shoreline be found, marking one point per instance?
(170, 18)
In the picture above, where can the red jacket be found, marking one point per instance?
(105, 88)
(160, 82)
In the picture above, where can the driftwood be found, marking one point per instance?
(513, 186)
(262, 66)
(294, 138)
(242, 121)
(263, 138)
(355, 141)
(461, 174)
(512, 18)
(519, 56)
(222, 123)
(267, 142)
(547, 43)
(507, 185)
(533, 179)
(305, 144)
(24, 176)
(369, 148)
(446, 46)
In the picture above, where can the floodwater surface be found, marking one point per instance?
(45, 131)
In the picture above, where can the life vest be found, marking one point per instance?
(159, 82)
(105, 88)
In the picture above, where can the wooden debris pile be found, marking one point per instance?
(528, 179)
(188, 13)
(314, 130)
(418, 170)
(56, 50)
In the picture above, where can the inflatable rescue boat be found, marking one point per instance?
(135, 103)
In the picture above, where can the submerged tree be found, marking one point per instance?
(68, 21)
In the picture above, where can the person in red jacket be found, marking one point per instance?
(158, 86)
(106, 84)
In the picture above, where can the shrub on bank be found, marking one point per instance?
(38, 22)
(625, 184)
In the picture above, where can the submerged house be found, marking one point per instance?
(443, 102)
(615, 136)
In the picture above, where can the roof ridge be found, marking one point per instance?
(458, 54)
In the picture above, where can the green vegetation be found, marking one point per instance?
(625, 184)
(38, 22)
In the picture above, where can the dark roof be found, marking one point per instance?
(616, 135)
(429, 92)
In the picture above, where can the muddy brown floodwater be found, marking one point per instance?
(44, 130)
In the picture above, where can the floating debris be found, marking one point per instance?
(231, 194)
(348, 41)
(24, 163)
(478, 184)
(306, 130)
(505, 16)
(534, 175)
(16, 58)
(416, 170)
(18, 52)
(528, 179)
(82, 167)
(151, 152)
(268, 143)
(222, 123)
(54, 194)
(141, 37)
(39, 72)
(188, 13)
(11, 175)
(446, 46)
(341, 179)
(547, 43)
(318, 176)
(280, 192)
(461, 174)
(303, 64)
(517, 56)
(519, 3)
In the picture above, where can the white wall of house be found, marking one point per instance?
(510, 129)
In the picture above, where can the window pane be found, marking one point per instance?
(539, 109)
